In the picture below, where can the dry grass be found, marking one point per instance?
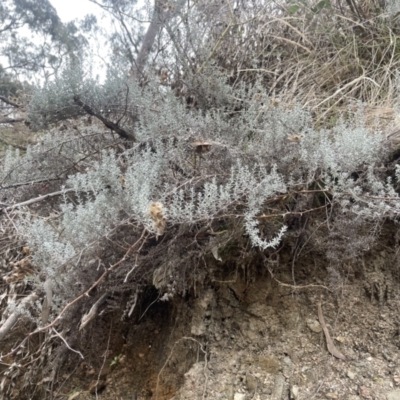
(17, 136)
(322, 55)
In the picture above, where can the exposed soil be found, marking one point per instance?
(249, 335)
(246, 336)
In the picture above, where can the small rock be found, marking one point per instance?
(332, 396)
(239, 396)
(229, 391)
(294, 392)
(278, 388)
(74, 396)
(251, 383)
(198, 328)
(314, 325)
(287, 361)
(364, 392)
(351, 374)
(340, 339)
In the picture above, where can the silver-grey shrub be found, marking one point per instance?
(259, 150)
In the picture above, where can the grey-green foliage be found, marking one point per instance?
(55, 100)
(259, 150)
(54, 156)
(51, 250)
(392, 7)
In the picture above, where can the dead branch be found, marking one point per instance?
(109, 124)
(36, 199)
(9, 102)
(95, 284)
(329, 342)
(13, 318)
(14, 185)
(92, 313)
(11, 120)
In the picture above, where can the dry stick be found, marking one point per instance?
(37, 199)
(331, 347)
(93, 311)
(9, 102)
(109, 124)
(104, 360)
(292, 43)
(340, 90)
(12, 319)
(14, 185)
(11, 120)
(68, 346)
(11, 144)
(288, 213)
(298, 287)
(85, 293)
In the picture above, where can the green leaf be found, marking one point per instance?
(293, 9)
(322, 4)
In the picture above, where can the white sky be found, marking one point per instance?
(68, 10)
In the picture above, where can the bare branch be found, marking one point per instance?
(13, 318)
(92, 313)
(9, 102)
(109, 124)
(11, 120)
(36, 199)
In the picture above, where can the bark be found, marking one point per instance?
(148, 41)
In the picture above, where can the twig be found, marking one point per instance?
(134, 304)
(69, 347)
(13, 318)
(14, 185)
(11, 120)
(104, 359)
(296, 287)
(92, 313)
(127, 275)
(340, 90)
(37, 199)
(145, 311)
(84, 294)
(331, 347)
(109, 124)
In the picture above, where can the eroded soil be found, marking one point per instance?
(252, 336)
